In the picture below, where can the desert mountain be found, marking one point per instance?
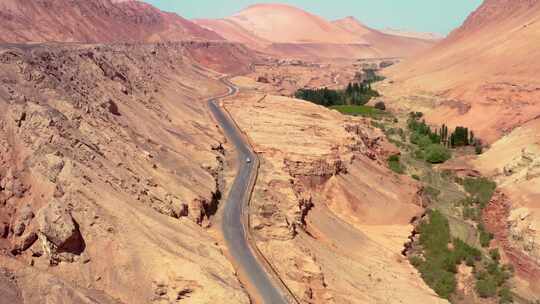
(487, 69)
(286, 30)
(484, 75)
(385, 44)
(280, 23)
(93, 21)
(412, 34)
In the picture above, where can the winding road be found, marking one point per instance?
(235, 224)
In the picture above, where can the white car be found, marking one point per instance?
(248, 160)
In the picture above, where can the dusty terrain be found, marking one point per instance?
(285, 77)
(326, 211)
(110, 170)
(93, 21)
(484, 76)
(267, 28)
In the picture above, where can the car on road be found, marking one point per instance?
(248, 160)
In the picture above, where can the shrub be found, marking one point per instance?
(471, 213)
(380, 105)
(463, 251)
(486, 288)
(505, 296)
(470, 261)
(424, 142)
(416, 177)
(395, 165)
(485, 238)
(394, 158)
(494, 254)
(481, 189)
(432, 192)
(437, 154)
(416, 261)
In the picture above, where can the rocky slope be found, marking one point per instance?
(92, 21)
(326, 211)
(267, 27)
(110, 168)
(484, 76)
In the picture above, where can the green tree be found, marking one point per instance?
(437, 154)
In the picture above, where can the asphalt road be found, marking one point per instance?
(237, 203)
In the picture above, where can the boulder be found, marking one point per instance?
(22, 220)
(4, 230)
(60, 230)
(262, 79)
(23, 243)
(51, 166)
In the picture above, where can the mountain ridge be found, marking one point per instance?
(94, 21)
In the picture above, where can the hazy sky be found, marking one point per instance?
(439, 16)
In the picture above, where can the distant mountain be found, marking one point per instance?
(386, 44)
(287, 30)
(413, 34)
(93, 21)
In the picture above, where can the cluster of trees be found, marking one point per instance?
(428, 141)
(438, 262)
(434, 144)
(459, 138)
(354, 94)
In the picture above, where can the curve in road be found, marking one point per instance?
(234, 230)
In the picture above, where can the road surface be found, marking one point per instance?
(235, 234)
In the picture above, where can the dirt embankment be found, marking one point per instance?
(109, 171)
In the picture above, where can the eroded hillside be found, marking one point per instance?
(484, 76)
(110, 170)
(326, 211)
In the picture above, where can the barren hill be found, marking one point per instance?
(484, 75)
(93, 21)
(280, 23)
(289, 31)
(486, 70)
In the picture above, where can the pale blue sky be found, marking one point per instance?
(440, 16)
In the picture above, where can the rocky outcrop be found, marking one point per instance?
(22, 220)
(59, 232)
(109, 145)
(526, 165)
(370, 142)
(316, 172)
(496, 217)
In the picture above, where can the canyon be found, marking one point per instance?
(115, 172)
(483, 75)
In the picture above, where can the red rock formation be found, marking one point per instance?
(495, 217)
